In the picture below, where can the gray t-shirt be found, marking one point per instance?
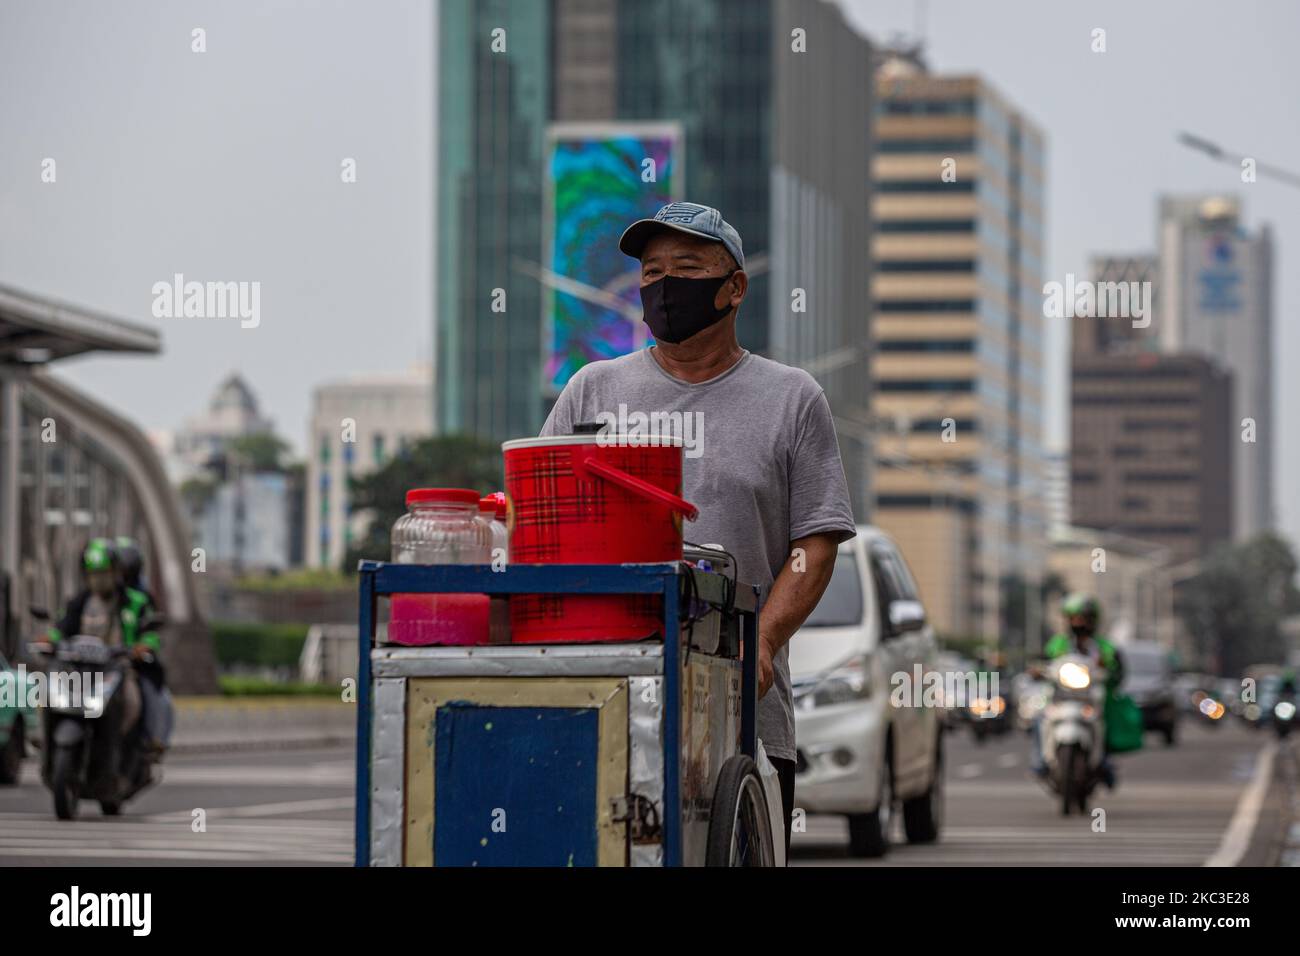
(761, 462)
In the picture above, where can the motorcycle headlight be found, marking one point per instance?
(92, 702)
(60, 695)
(848, 682)
(1284, 710)
(1074, 676)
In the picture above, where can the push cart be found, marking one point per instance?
(609, 754)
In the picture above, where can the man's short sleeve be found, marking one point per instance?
(819, 492)
(560, 421)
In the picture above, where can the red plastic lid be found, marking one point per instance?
(488, 504)
(460, 496)
(496, 503)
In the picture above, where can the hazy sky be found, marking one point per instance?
(225, 165)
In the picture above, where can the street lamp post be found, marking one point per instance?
(1219, 154)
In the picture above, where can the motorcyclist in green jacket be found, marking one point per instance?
(1082, 613)
(119, 615)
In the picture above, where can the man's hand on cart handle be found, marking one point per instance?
(794, 594)
(765, 672)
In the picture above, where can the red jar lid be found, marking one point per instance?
(488, 504)
(460, 496)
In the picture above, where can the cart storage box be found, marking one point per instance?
(558, 754)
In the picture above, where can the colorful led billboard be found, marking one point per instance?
(600, 179)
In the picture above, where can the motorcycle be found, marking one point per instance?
(87, 752)
(1283, 717)
(1073, 735)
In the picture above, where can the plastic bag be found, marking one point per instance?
(775, 809)
(1123, 724)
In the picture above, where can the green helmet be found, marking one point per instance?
(99, 555)
(1079, 603)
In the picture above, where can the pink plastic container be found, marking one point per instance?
(441, 526)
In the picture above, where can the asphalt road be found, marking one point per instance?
(1173, 807)
(259, 808)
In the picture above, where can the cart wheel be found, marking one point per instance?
(740, 830)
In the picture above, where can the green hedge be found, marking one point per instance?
(258, 687)
(264, 645)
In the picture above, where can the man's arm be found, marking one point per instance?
(70, 623)
(820, 518)
(794, 594)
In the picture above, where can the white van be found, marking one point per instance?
(858, 755)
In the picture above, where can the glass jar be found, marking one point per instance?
(441, 526)
(492, 510)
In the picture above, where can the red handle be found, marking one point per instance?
(587, 464)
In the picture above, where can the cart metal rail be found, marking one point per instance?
(689, 596)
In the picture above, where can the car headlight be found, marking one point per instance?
(1074, 676)
(849, 682)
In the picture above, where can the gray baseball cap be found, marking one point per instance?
(688, 217)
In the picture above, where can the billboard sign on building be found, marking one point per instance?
(600, 177)
(1219, 278)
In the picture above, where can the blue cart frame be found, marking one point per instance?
(668, 580)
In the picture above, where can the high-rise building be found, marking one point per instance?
(356, 426)
(772, 100)
(957, 334)
(1147, 450)
(1056, 490)
(492, 105)
(1119, 279)
(1216, 280)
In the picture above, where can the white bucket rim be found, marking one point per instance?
(605, 441)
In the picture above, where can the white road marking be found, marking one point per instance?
(311, 831)
(326, 841)
(326, 774)
(265, 809)
(1237, 837)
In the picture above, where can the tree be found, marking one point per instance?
(196, 494)
(449, 461)
(1234, 607)
(258, 452)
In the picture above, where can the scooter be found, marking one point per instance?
(1073, 735)
(87, 753)
(1283, 717)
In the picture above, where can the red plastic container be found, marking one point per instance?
(586, 499)
(441, 526)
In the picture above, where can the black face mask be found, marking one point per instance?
(1082, 630)
(676, 308)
